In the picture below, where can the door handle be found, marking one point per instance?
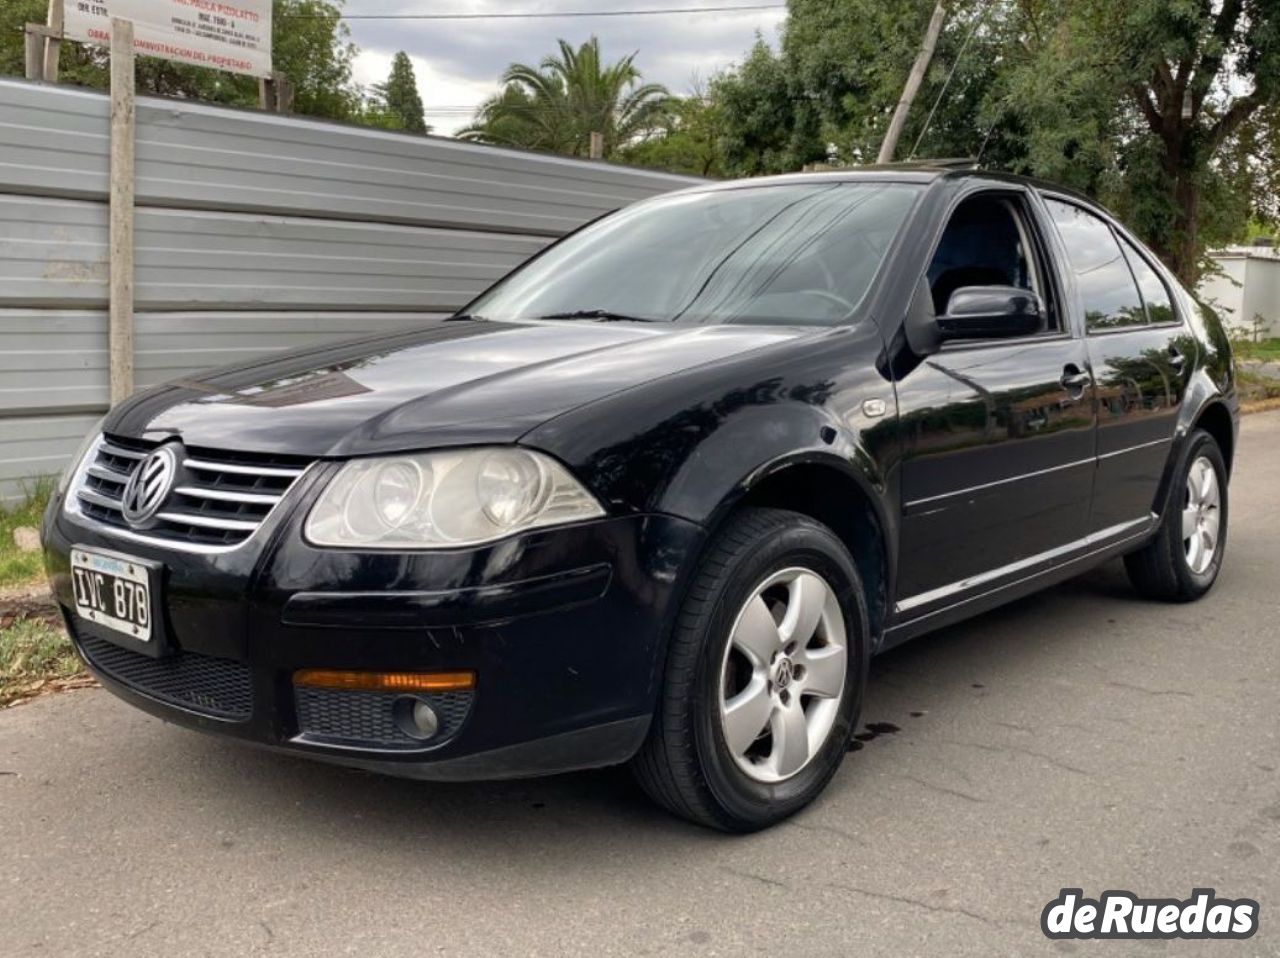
(1074, 381)
(1176, 359)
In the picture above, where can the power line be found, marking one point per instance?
(660, 12)
(943, 92)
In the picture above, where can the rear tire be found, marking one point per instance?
(1183, 560)
(773, 630)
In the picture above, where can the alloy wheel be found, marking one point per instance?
(1201, 515)
(783, 675)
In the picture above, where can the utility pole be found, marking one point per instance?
(914, 79)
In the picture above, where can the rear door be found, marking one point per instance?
(998, 434)
(1141, 354)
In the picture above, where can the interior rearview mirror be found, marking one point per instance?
(991, 312)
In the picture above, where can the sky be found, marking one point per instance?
(458, 62)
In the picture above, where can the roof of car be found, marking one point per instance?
(914, 171)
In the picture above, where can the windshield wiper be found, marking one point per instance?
(604, 315)
(466, 317)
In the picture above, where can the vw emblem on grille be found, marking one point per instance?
(150, 485)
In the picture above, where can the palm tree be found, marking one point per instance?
(561, 102)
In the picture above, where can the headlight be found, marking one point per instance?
(90, 441)
(443, 500)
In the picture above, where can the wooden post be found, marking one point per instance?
(53, 42)
(275, 93)
(267, 94)
(120, 324)
(597, 146)
(36, 36)
(33, 59)
(284, 93)
(914, 80)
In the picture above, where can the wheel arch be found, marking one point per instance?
(1216, 419)
(830, 491)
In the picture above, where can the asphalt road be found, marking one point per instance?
(1078, 738)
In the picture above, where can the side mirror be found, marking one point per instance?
(991, 312)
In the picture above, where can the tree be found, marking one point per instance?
(850, 60)
(768, 124)
(309, 42)
(688, 140)
(829, 92)
(398, 98)
(1166, 110)
(313, 49)
(558, 104)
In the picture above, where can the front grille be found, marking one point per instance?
(367, 719)
(201, 683)
(220, 498)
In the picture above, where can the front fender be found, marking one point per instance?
(690, 445)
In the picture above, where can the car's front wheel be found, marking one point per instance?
(1183, 560)
(765, 675)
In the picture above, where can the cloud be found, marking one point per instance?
(458, 62)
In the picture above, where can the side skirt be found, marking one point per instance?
(1056, 566)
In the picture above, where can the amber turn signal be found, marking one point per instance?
(386, 681)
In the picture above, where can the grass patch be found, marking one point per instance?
(20, 568)
(1268, 350)
(34, 654)
(1256, 388)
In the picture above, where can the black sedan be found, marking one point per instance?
(659, 495)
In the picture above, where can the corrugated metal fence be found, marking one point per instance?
(254, 232)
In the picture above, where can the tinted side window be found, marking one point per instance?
(1154, 292)
(1107, 288)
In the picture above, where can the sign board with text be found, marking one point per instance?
(230, 35)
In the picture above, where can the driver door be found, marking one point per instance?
(998, 434)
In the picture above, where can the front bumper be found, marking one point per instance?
(564, 628)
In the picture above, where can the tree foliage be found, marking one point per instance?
(1165, 109)
(687, 139)
(559, 103)
(397, 102)
(770, 123)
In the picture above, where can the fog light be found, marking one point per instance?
(415, 717)
(424, 719)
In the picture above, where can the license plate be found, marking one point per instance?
(113, 592)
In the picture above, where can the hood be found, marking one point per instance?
(452, 382)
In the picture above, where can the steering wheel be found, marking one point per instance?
(844, 304)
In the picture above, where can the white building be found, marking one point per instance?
(1249, 286)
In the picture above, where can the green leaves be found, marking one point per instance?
(1164, 109)
(569, 95)
(396, 103)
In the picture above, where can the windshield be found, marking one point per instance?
(798, 254)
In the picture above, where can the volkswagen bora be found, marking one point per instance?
(658, 495)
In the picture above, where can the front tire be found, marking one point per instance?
(1183, 560)
(765, 675)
